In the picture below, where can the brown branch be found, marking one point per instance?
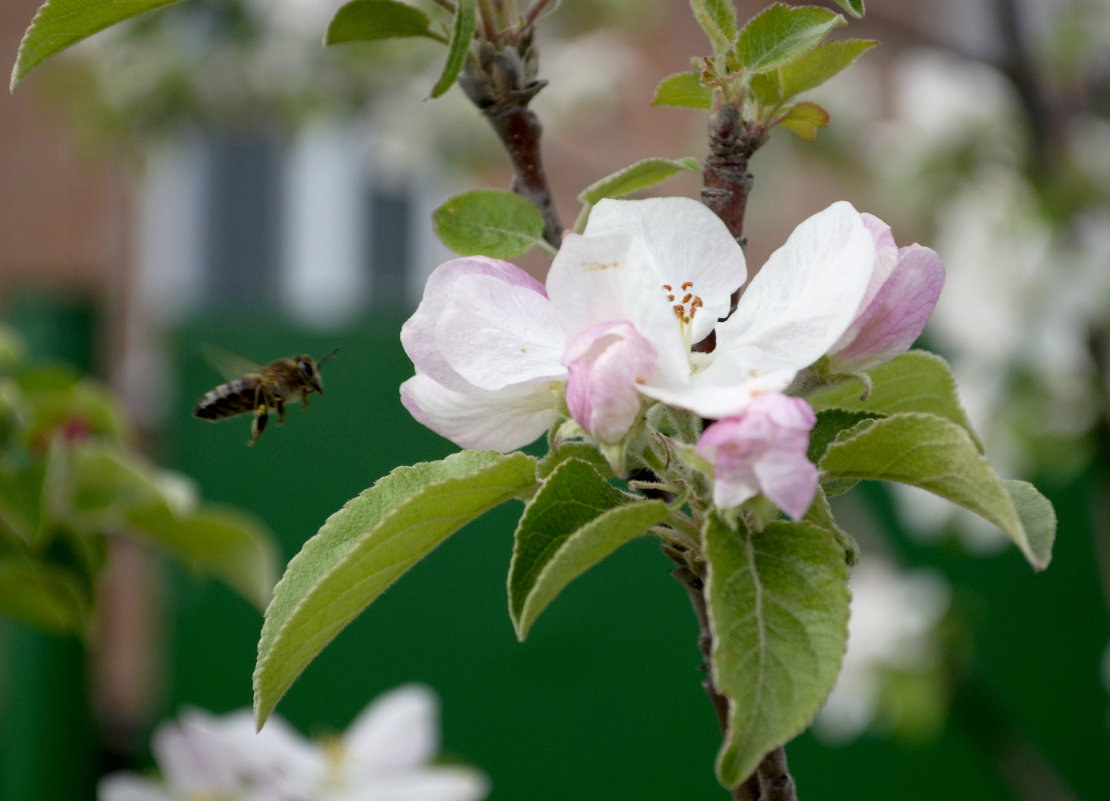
(726, 181)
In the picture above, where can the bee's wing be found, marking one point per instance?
(229, 365)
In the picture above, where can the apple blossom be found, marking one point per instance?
(763, 450)
(903, 290)
(624, 303)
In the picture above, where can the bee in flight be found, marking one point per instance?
(260, 389)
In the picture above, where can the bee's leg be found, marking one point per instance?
(279, 404)
(259, 422)
(304, 399)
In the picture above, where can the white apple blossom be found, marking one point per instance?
(383, 756)
(623, 306)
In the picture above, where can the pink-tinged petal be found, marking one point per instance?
(687, 243)
(896, 316)
(418, 334)
(809, 291)
(494, 334)
(398, 731)
(763, 451)
(606, 364)
(481, 420)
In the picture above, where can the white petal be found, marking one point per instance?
(687, 242)
(429, 784)
(494, 334)
(809, 291)
(611, 277)
(503, 421)
(129, 787)
(398, 731)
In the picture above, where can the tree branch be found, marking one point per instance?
(726, 181)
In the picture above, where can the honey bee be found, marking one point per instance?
(260, 389)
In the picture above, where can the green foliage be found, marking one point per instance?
(575, 520)
(367, 20)
(938, 455)
(718, 19)
(366, 546)
(632, 178)
(780, 34)
(818, 65)
(466, 22)
(683, 89)
(489, 222)
(68, 481)
(853, 7)
(804, 119)
(61, 23)
(778, 609)
(916, 381)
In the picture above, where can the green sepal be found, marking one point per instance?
(366, 546)
(936, 454)
(489, 222)
(778, 612)
(574, 521)
(369, 20)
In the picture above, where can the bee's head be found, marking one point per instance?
(310, 370)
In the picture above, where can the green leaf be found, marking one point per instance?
(916, 381)
(575, 520)
(853, 7)
(683, 89)
(366, 546)
(48, 597)
(489, 222)
(831, 425)
(367, 20)
(780, 34)
(805, 119)
(466, 21)
(219, 542)
(778, 612)
(818, 65)
(718, 19)
(635, 177)
(820, 514)
(61, 23)
(938, 455)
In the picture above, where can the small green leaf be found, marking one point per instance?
(831, 425)
(805, 119)
(780, 34)
(367, 20)
(46, 596)
(575, 520)
(936, 454)
(466, 21)
(366, 546)
(635, 177)
(853, 7)
(718, 19)
(818, 65)
(916, 381)
(61, 23)
(489, 222)
(683, 89)
(778, 611)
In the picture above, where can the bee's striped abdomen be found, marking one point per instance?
(234, 397)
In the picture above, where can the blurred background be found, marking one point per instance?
(210, 174)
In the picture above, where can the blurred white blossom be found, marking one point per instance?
(384, 756)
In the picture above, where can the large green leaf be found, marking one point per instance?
(718, 19)
(683, 89)
(366, 546)
(61, 23)
(466, 21)
(778, 611)
(779, 34)
(916, 381)
(575, 520)
(367, 20)
(934, 453)
(489, 222)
